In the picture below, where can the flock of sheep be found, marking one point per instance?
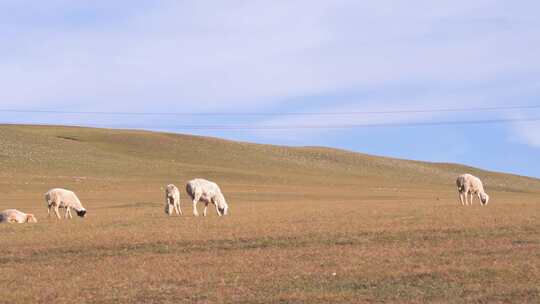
(200, 190)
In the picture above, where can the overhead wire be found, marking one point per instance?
(292, 126)
(381, 112)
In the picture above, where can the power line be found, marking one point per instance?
(382, 112)
(322, 127)
(355, 126)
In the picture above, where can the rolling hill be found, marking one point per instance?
(306, 225)
(38, 152)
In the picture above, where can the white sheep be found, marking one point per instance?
(208, 192)
(468, 184)
(172, 200)
(61, 198)
(16, 216)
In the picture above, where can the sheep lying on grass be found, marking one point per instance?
(62, 198)
(468, 184)
(208, 192)
(16, 216)
(172, 200)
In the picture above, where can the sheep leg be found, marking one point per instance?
(168, 206)
(461, 198)
(56, 212)
(172, 205)
(69, 213)
(217, 210)
(472, 198)
(205, 208)
(178, 210)
(195, 201)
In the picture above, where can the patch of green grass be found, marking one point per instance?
(417, 287)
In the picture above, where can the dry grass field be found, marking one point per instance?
(306, 225)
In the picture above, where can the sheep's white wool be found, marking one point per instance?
(172, 200)
(208, 192)
(468, 185)
(61, 198)
(16, 216)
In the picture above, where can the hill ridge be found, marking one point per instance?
(119, 153)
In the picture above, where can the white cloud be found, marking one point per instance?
(217, 53)
(527, 133)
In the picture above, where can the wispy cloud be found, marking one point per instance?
(208, 54)
(528, 133)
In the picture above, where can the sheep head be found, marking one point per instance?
(168, 209)
(484, 198)
(30, 218)
(223, 209)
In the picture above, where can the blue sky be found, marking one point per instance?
(285, 56)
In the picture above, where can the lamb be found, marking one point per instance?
(468, 184)
(209, 192)
(172, 200)
(61, 198)
(16, 216)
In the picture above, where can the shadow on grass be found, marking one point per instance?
(421, 287)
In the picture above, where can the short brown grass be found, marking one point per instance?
(307, 225)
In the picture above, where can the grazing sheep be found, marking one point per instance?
(468, 184)
(16, 216)
(202, 190)
(172, 200)
(62, 198)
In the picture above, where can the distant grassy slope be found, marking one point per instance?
(139, 155)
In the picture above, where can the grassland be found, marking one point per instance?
(307, 225)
